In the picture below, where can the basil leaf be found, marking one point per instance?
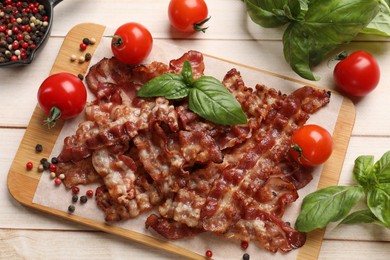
(362, 169)
(378, 200)
(211, 100)
(358, 217)
(171, 86)
(380, 25)
(382, 169)
(267, 13)
(326, 25)
(186, 72)
(326, 205)
(296, 9)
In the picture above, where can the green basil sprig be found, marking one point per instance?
(334, 203)
(316, 27)
(207, 96)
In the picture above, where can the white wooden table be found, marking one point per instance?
(28, 234)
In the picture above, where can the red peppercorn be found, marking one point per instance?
(209, 254)
(15, 45)
(53, 167)
(14, 58)
(3, 28)
(19, 36)
(244, 244)
(24, 45)
(15, 29)
(75, 190)
(57, 181)
(29, 165)
(83, 46)
(89, 193)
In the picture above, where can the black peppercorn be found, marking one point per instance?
(38, 148)
(71, 208)
(75, 198)
(83, 199)
(246, 256)
(54, 160)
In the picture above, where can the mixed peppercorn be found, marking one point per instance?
(22, 27)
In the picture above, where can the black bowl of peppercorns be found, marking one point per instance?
(24, 29)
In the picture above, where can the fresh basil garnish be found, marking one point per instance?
(359, 217)
(207, 96)
(333, 203)
(171, 86)
(327, 205)
(378, 201)
(317, 27)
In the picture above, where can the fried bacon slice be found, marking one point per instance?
(234, 181)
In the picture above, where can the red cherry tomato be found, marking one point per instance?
(188, 15)
(131, 43)
(358, 74)
(61, 95)
(311, 145)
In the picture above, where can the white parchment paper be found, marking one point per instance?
(57, 197)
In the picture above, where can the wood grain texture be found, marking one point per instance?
(22, 183)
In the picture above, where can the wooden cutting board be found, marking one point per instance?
(22, 184)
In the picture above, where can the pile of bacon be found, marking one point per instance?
(234, 181)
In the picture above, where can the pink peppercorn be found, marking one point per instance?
(89, 193)
(209, 254)
(29, 165)
(57, 181)
(75, 190)
(53, 167)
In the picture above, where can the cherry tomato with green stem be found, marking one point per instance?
(131, 43)
(311, 145)
(61, 95)
(357, 74)
(188, 15)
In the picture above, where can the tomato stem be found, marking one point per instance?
(198, 26)
(118, 40)
(55, 114)
(299, 150)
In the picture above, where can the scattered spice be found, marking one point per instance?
(38, 148)
(86, 41)
(81, 59)
(73, 57)
(61, 176)
(209, 254)
(54, 160)
(80, 76)
(75, 198)
(83, 199)
(52, 175)
(89, 193)
(75, 190)
(53, 167)
(244, 244)
(57, 181)
(88, 56)
(46, 165)
(83, 46)
(29, 166)
(71, 208)
(92, 41)
(40, 168)
(246, 256)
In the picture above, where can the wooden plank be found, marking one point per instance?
(22, 183)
